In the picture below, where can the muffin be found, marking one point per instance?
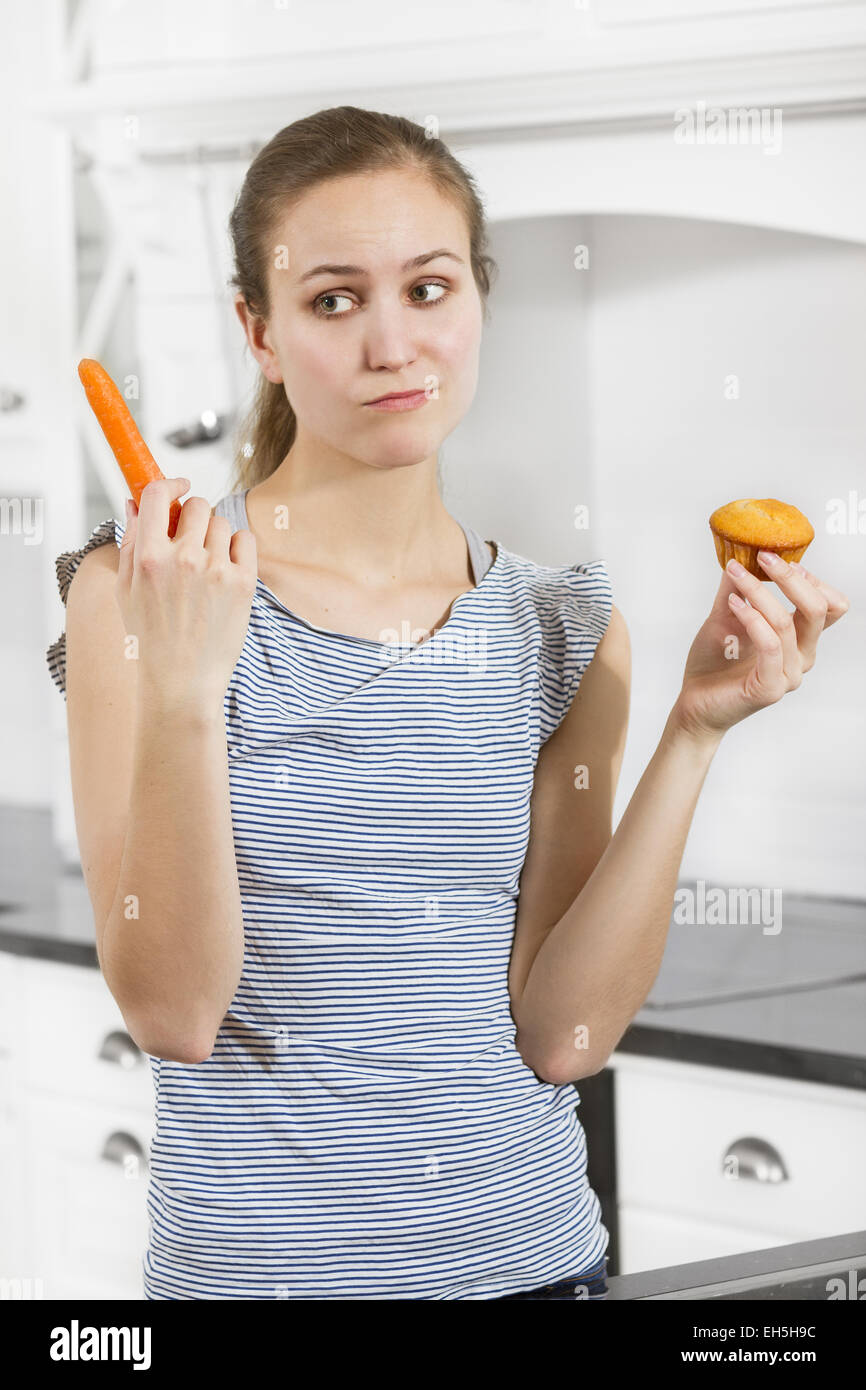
(742, 528)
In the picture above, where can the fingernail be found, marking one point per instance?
(734, 567)
(128, 508)
(768, 558)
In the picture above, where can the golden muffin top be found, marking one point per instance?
(762, 521)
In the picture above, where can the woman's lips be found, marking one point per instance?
(410, 402)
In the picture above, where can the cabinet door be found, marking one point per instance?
(75, 1041)
(739, 1150)
(653, 1239)
(15, 1262)
(88, 1169)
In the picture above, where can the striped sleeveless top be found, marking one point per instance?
(365, 1127)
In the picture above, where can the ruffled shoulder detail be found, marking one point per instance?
(65, 566)
(575, 612)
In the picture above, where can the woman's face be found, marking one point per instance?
(341, 338)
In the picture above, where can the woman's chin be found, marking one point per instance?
(408, 457)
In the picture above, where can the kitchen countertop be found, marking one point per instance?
(59, 928)
(783, 1272)
(789, 1002)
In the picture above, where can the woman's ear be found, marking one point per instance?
(255, 329)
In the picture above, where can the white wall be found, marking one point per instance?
(519, 463)
(675, 307)
(623, 370)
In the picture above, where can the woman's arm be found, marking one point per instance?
(152, 810)
(571, 811)
(595, 967)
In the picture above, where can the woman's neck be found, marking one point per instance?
(390, 526)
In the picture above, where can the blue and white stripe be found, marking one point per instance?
(365, 1127)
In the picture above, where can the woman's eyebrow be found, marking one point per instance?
(415, 262)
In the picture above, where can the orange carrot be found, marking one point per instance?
(137, 463)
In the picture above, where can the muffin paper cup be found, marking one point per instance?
(747, 555)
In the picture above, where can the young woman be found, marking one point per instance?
(349, 894)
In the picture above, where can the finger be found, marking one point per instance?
(195, 514)
(238, 547)
(811, 604)
(769, 669)
(776, 615)
(153, 504)
(217, 536)
(725, 589)
(837, 602)
(127, 545)
(242, 551)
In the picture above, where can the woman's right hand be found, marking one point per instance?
(187, 600)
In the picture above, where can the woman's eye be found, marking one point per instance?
(432, 285)
(322, 299)
(319, 304)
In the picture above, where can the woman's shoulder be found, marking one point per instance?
(583, 582)
(570, 608)
(66, 566)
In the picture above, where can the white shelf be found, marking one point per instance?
(530, 68)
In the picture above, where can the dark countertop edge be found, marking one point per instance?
(22, 943)
(745, 1054)
(777, 1259)
(670, 1044)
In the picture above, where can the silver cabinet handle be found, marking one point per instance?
(10, 399)
(755, 1159)
(120, 1146)
(118, 1047)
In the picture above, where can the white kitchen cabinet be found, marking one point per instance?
(76, 1125)
(15, 1261)
(654, 1240)
(92, 1057)
(88, 1166)
(710, 1162)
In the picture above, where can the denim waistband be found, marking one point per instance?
(589, 1286)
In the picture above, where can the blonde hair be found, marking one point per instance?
(336, 142)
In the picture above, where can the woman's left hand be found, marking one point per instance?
(725, 680)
